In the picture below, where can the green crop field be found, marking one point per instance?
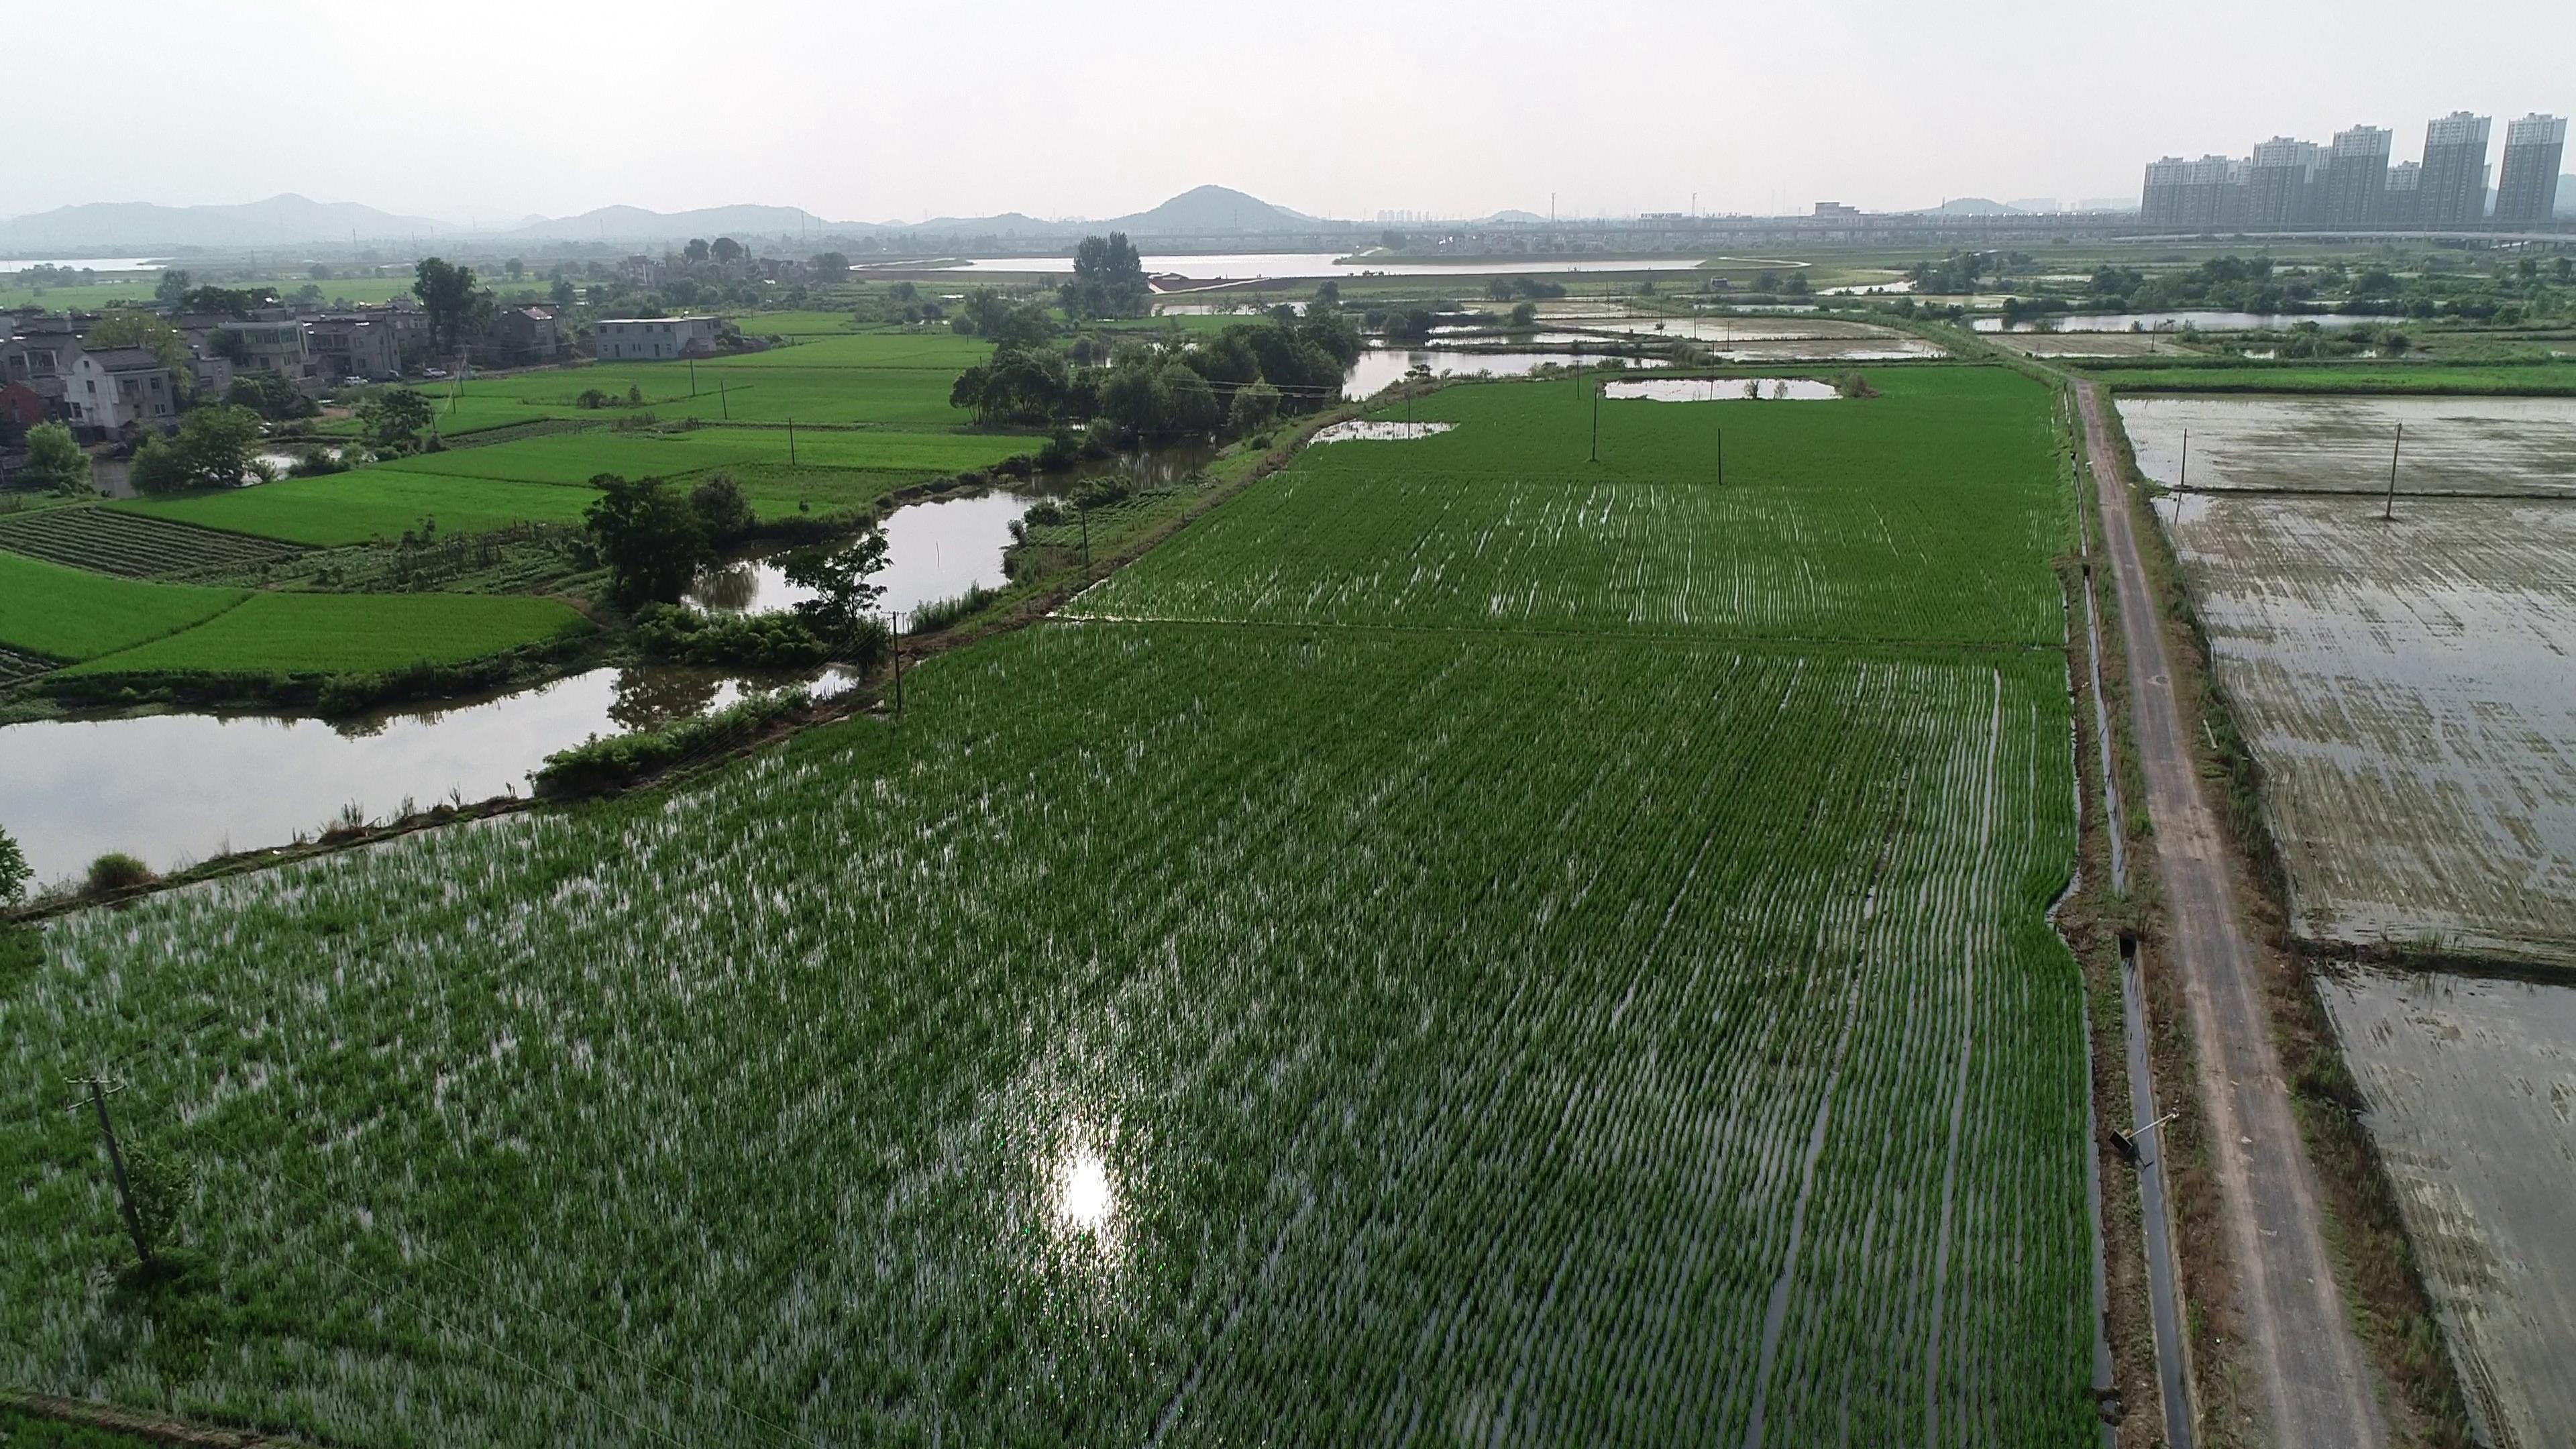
(546, 480)
(795, 324)
(1387, 1024)
(114, 541)
(346, 633)
(72, 613)
(1839, 519)
(369, 505)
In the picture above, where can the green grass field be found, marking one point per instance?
(1389, 1024)
(368, 505)
(346, 634)
(70, 613)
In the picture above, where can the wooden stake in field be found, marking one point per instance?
(693, 377)
(724, 400)
(791, 442)
(2388, 513)
(116, 1164)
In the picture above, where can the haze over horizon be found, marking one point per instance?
(907, 114)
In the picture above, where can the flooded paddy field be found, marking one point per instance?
(2091, 344)
(2406, 687)
(2471, 1085)
(2491, 446)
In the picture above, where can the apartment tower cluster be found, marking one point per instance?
(2350, 184)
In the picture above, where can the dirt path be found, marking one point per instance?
(2300, 1340)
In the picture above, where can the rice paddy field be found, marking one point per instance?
(111, 541)
(68, 613)
(1327, 1010)
(2489, 446)
(281, 633)
(2469, 1083)
(2406, 688)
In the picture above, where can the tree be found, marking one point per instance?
(696, 250)
(454, 303)
(230, 301)
(1108, 279)
(653, 540)
(270, 396)
(722, 506)
(727, 250)
(212, 449)
(1255, 407)
(395, 418)
(843, 603)
(832, 264)
(172, 289)
(1524, 314)
(516, 268)
(563, 293)
(56, 461)
(229, 345)
(13, 869)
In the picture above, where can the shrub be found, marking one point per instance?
(13, 869)
(599, 765)
(938, 614)
(117, 871)
(676, 635)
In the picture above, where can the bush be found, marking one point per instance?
(600, 765)
(670, 634)
(938, 614)
(722, 506)
(117, 871)
(13, 869)
(55, 462)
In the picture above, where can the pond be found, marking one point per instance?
(934, 550)
(1382, 367)
(85, 264)
(178, 788)
(2171, 322)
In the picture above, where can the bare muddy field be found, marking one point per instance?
(2493, 446)
(2092, 344)
(2407, 687)
(2472, 1092)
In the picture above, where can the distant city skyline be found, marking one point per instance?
(2353, 182)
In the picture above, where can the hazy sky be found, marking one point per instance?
(473, 110)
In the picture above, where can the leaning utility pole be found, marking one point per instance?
(2388, 514)
(1596, 422)
(116, 1164)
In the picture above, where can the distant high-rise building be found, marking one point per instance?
(2280, 183)
(2402, 204)
(2527, 191)
(2203, 195)
(2455, 172)
(2356, 177)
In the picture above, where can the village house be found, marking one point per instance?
(119, 388)
(521, 337)
(354, 344)
(281, 347)
(631, 339)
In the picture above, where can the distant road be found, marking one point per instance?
(2316, 1382)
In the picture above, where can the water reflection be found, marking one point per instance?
(2171, 321)
(934, 550)
(1382, 367)
(174, 789)
(1084, 1199)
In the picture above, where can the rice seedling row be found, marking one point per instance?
(778, 1086)
(113, 542)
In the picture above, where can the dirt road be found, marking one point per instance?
(2315, 1380)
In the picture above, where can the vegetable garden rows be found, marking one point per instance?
(1183, 1032)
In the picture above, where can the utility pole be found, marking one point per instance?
(791, 442)
(724, 400)
(895, 630)
(1084, 513)
(116, 1164)
(1596, 422)
(2185, 481)
(693, 377)
(2388, 514)
(1721, 457)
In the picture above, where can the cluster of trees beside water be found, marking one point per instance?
(1239, 380)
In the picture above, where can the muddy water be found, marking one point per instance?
(178, 788)
(1723, 389)
(2471, 1086)
(2170, 321)
(2471, 445)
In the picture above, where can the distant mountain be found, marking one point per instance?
(136, 226)
(1208, 211)
(634, 223)
(1009, 223)
(1969, 206)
